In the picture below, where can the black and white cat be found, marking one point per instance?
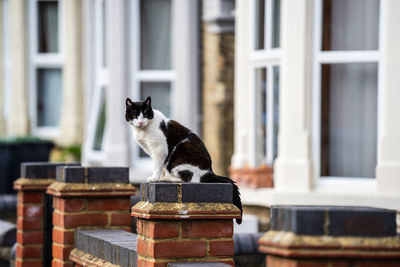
(178, 154)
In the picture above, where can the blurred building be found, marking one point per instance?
(68, 66)
(316, 100)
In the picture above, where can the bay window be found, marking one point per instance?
(45, 66)
(265, 60)
(347, 70)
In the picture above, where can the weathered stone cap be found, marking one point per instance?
(90, 175)
(334, 221)
(187, 192)
(42, 170)
(114, 246)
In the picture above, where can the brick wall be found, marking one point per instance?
(31, 207)
(218, 85)
(87, 198)
(331, 236)
(177, 223)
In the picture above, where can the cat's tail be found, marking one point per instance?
(236, 194)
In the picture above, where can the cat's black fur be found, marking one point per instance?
(184, 147)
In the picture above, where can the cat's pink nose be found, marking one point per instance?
(140, 123)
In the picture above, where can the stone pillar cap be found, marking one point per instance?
(186, 201)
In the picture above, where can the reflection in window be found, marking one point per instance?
(49, 97)
(349, 120)
(276, 111)
(350, 25)
(48, 26)
(100, 125)
(104, 34)
(155, 34)
(259, 24)
(261, 113)
(276, 24)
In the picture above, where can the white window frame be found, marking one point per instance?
(42, 60)
(331, 183)
(98, 81)
(143, 165)
(6, 53)
(268, 58)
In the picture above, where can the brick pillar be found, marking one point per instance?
(32, 204)
(331, 236)
(90, 198)
(187, 222)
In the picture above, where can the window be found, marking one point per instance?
(347, 87)
(265, 58)
(94, 147)
(45, 66)
(153, 73)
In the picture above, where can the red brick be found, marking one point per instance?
(82, 219)
(63, 237)
(29, 197)
(61, 252)
(172, 249)
(216, 228)
(29, 223)
(146, 263)
(27, 252)
(221, 248)
(376, 263)
(30, 238)
(109, 204)
(30, 210)
(70, 204)
(156, 229)
(28, 263)
(121, 219)
(56, 263)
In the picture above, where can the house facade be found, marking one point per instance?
(315, 99)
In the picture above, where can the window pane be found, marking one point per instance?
(155, 34)
(104, 34)
(259, 24)
(100, 125)
(160, 93)
(276, 111)
(276, 20)
(350, 25)
(349, 120)
(261, 111)
(48, 26)
(49, 97)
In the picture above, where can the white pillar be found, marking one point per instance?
(18, 122)
(388, 168)
(293, 167)
(2, 59)
(116, 140)
(241, 94)
(72, 107)
(185, 53)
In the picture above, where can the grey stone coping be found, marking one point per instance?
(77, 174)
(198, 264)
(187, 192)
(42, 170)
(115, 246)
(334, 221)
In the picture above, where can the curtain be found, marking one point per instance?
(48, 27)
(49, 97)
(352, 145)
(155, 34)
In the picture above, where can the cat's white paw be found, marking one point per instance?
(152, 179)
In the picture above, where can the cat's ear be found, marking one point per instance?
(148, 101)
(129, 103)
